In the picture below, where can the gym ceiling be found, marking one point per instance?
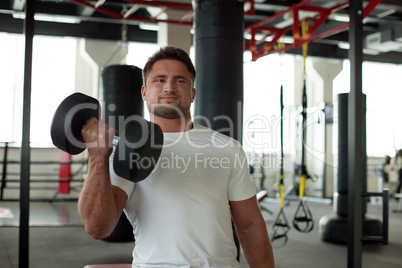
(102, 19)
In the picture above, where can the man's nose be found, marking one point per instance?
(170, 86)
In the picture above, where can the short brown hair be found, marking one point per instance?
(171, 53)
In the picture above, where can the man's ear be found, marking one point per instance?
(194, 92)
(143, 92)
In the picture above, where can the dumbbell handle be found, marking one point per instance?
(137, 141)
(115, 140)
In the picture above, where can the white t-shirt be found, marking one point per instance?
(180, 213)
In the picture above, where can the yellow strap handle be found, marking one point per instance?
(280, 45)
(301, 186)
(281, 192)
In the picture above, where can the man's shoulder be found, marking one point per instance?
(215, 136)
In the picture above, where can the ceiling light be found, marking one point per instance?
(149, 26)
(340, 17)
(49, 18)
(259, 36)
(385, 13)
(344, 45)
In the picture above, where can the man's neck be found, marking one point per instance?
(173, 125)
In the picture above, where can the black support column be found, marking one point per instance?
(29, 27)
(218, 41)
(357, 149)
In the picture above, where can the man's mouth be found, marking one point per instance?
(168, 98)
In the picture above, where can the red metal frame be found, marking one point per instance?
(137, 4)
(263, 26)
(316, 21)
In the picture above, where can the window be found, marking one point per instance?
(53, 78)
(11, 62)
(138, 53)
(382, 88)
(262, 84)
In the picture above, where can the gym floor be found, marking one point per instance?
(58, 239)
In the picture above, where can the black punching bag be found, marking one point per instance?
(218, 41)
(122, 98)
(121, 93)
(341, 190)
(334, 228)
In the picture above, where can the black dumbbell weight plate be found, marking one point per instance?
(138, 150)
(68, 120)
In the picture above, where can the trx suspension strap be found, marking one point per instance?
(281, 226)
(303, 219)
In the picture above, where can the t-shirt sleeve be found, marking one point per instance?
(241, 186)
(116, 180)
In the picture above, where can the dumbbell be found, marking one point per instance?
(137, 149)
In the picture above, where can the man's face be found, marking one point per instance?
(169, 90)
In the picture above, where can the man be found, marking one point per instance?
(182, 212)
(396, 163)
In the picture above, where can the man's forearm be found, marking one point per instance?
(256, 246)
(96, 203)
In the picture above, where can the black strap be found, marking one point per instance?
(303, 220)
(303, 216)
(281, 226)
(280, 230)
